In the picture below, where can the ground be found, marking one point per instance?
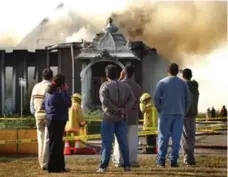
(214, 165)
(210, 163)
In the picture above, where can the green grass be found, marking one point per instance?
(208, 166)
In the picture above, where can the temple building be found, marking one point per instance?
(83, 65)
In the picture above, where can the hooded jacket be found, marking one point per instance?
(193, 87)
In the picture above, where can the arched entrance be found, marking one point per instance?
(92, 76)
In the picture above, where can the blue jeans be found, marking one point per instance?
(107, 134)
(169, 125)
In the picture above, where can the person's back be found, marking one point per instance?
(193, 86)
(136, 90)
(126, 77)
(118, 93)
(117, 100)
(172, 100)
(36, 108)
(188, 135)
(213, 112)
(172, 92)
(38, 93)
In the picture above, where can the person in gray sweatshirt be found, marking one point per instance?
(172, 101)
(188, 136)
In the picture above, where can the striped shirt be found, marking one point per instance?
(36, 103)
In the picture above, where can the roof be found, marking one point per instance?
(111, 41)
(96, 54)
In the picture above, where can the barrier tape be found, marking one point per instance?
(98, 136)
(100, 120)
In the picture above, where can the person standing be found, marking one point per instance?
(189, 130)
(223, 112)
(172, 101)
(117, 100)
(37, 97)
(132, 128)
(56, 103)
(213, 112)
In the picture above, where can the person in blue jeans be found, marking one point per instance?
(117, 100)
(172, 100)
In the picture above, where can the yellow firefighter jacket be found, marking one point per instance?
(150, 115)
(76, 119)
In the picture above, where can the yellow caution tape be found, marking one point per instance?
(98, 136)
(100, 120)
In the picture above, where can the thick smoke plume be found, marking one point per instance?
(176, 27)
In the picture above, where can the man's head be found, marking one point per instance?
(173, 69)
(187, 74)
(111, 72)
(129, 71)
(47, 74)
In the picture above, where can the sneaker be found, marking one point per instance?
(174, 165)
(65, 170)
(187, 164)
(45, 168)
(102, 170)
(118, 165)
(126, 169)
(160, 166)
(135, 165)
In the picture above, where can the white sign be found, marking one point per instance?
(22, 82)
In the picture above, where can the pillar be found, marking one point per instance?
(18, 72)
(2, 82)
(41, 63)
(48, 64)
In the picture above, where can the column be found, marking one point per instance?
(48, 64)
(85, 88)
(59, 61)
(41, 63)
(2, 82)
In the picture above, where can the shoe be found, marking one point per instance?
(65, 170)
(102, 170)
(118, 165)
(126, 169)
(44, 168)
(174, 165)
(135, 165)
(187, 164)
(160, 166)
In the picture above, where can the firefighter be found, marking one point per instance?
(76, 119)
(150, 121)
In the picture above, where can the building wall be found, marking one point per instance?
(154, 69)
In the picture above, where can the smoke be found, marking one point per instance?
(82, 34)
(7, 41)
(193, 34)
(177, 27)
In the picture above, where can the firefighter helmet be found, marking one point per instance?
(145, 96)
(76, 97)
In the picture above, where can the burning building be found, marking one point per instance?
(82, 63)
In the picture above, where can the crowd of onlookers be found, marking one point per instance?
(213, 113)
(175, 99)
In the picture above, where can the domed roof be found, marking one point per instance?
(110, 27)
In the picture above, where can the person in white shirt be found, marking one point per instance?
(36, 108)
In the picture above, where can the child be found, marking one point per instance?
(56, 104)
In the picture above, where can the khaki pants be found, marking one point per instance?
(43, 142)
(188, 139)
(132, 136)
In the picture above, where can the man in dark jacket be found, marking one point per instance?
(188, 136)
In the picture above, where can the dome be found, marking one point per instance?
(110, 27)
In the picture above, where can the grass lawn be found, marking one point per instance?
(207, 166)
